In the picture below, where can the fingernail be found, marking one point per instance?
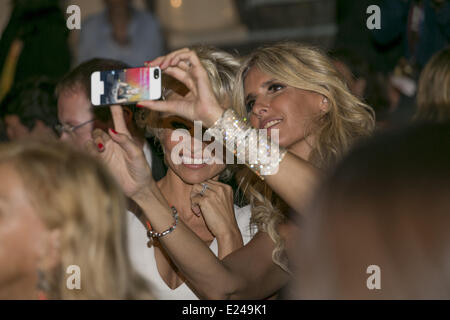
(113, 131)
(139, 105)
(100, 146)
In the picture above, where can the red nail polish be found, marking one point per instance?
(100, 146)
(139, 105)
(114, 131)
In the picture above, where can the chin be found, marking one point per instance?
(195, 176)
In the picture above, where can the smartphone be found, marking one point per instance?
(125, 86)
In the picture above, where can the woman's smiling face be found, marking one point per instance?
(195, 166)
(274, 105)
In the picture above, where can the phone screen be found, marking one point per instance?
(125, 86)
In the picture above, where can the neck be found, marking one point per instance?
(178, 194)
(302, 148)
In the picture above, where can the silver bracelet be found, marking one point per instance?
(154, 234)
(249, 146)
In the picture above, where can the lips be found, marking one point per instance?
(266, 124)
(194, 160)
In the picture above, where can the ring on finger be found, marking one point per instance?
(204, 187)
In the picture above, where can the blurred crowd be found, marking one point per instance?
(363, 175)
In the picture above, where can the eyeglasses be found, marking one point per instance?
(61, 128)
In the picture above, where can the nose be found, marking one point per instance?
(260, 107)
(64, 136)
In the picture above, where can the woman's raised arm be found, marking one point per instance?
(295, 180)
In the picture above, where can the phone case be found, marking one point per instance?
(125, 86)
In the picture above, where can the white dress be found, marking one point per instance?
(143, 257)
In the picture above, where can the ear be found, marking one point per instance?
(324, 104)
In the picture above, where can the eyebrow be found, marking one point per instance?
(263, 85)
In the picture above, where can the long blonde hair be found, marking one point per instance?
(74, 194)
(433, 94)
(347, 119)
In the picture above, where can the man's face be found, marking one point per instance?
(74, 109)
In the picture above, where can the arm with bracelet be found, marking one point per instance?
(291, 177)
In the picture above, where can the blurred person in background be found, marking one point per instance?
(387, 204)
(433, 95)
(34, 43)
(59, 208)
(122, 33)
(422, 27)
(364, 82)
(29, 110)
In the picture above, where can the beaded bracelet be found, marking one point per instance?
(154, 234)
(257, 151)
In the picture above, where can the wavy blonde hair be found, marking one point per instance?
(433, 94)
(74, 194)
(347, 119)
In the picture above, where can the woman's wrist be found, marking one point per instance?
(146, 195)
(252, 147)
(228, 234)
(214, 115)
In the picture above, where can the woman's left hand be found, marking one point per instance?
(216, 206)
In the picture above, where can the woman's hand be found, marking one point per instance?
(200, 103)
(124, 157)
(215, 204)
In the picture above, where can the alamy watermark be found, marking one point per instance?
(74, 18)
(74, 279)
(374, 20)
(374, 280)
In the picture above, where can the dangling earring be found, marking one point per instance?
(43, 286)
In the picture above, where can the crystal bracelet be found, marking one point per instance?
(154, 234)
(252, 147)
